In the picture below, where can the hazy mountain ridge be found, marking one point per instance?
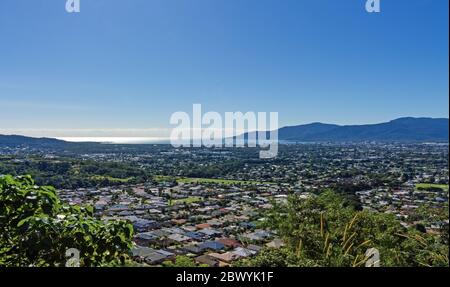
(406, 129)
(18, 140)
(402, 129)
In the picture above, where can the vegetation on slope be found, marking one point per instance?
(325, 231)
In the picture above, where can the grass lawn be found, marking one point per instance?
(220, 181)
(210, 180)
(110, 178)
(162, 177)
(432, 185)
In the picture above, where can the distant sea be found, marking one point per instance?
(138, 140)
(118, 140)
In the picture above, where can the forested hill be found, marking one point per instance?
(16, 140)
(399, 130)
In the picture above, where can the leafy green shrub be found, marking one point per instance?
(36, 229)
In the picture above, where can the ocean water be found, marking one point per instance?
(119, 140)
(131, 140)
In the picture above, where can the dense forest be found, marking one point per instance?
(69, 173)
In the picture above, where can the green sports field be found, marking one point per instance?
(432, 185)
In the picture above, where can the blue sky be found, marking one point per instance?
(129, 64)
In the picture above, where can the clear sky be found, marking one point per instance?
(129, 64)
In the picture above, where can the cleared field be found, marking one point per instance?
(432, 185)
(111, 179)
(210, 180)
(220, 181)
(162, 178)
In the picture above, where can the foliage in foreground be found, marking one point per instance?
(325, 231)
(36, 229)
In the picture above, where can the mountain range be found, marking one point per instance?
(400, 130)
